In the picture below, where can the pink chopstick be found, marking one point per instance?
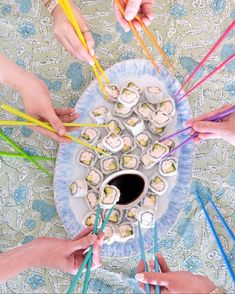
(207, 77)
(227, 31)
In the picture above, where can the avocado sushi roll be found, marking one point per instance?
(168, 106)
(170, 143)
(109, 196)
(113, 142)
(115, 126)
(143, 140)
(168, 167)
(109, 165)
(160, 118)
(89, 219)
(129, 161)
(115, 217)
(146, 160)
(157, 151)
(87, 158)
(133, 87)
(154, 95)
(100, 146)
(99, 114)
(131, 214)
(135, 125)
(144, 110)
(156, 130)
(121, 110)
(112, 91)
(92, 199)
(109, 234)
(90, 135)
(150, 200)
(126, 232)
(146, 217)
(158, 184)
(129, 144)
(94, 177)
(129, 98)
(78, 188)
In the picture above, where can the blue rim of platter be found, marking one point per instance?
(177, 196)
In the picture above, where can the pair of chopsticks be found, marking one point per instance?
(88, 258)
(45, 126)
(140, 40)
(96, 67)
(155, 249)
(227, 31)
(229, 267)
(214, 118)
(25, 123)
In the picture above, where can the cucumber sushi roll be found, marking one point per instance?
(90, 135)
(112, 91)
(133, 87)
(121, 110)
(150, 200)
(156, 130)
(115, 126)
(146, 160)
(154, 95)
(78, 188)
(129, 98)
(135, 125)
(131, 214)
(157, 151)
(109, 165)
(144, 110)
(129, 144)
(143, 140)
(168, 167)
(115, 217)
(89, 219)
(129, 161)
(86, 158)
(109, 234)
(160, 118)
(168, 106)
(170, 143)
(99, 114)
(126, 232)
(109, 196)
(146, 217)
(100, 146)
(113, 142)
(92, 199)
(158, 184)
(94, 177)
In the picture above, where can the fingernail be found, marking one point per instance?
(61, 132)
(128, 16)
(92, 52)
(139, 277)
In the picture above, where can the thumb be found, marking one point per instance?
(56, 123)
(82, 243)
(132, 9)
(209, 127)
(160, 279)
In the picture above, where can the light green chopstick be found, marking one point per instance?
(19, 155)
(19, 149)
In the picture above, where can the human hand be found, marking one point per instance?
(180, 282)
(66, 255)
(144, 8)
(38, 104)
(224, 129)
(67, 36)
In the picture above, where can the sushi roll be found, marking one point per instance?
(99, 114)
(135, 125)
(156, 130)
(90, 135)
(126, 232)
(154, 94)
(143, 140)
(157, 151)
(128, 98)
(109, 165)
(100, 146)
(113, 142)
(131, 214)
(129, 144)
(92, 199)
(109, 196)
(78, 188)
(160, 118)
(133, 87)
(89, 219)
(144, 110)
(146, 217)
(115, 217)
(129, 161)
(168, 106)
(169, 143)
(158, 184)
(168, 167)
(150, 200)
(87, 158)
(109, 234)
(146, 160)
(112, 91)
(122, 110)
(115, 126)
(94, 177)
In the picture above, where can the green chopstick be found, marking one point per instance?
(18, 155)
(20, 150)
(88, 255)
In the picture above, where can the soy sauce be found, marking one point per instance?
(130, 186)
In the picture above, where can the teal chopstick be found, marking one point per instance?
(18, 155)
(216, 238)
(88, 270)
(141, 243)
(155, 248)
(88, 255)
(17, 148)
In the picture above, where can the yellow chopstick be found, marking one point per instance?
(138, 37)
(150, 35)
(26, 123)
(46, 126)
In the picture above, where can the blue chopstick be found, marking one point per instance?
(155, 248)
(141, 243)
(216, 238)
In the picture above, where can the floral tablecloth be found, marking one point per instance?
(186, 30)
